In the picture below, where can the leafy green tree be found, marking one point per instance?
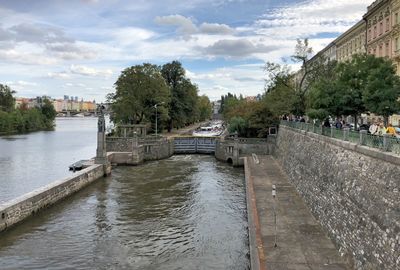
(261, 119)
(48, 112)
(138, 89)
(205, 109)
(7, 100)
(280, 77)
(324, 96)
(382, 91)
(183, 107)
(239, 125)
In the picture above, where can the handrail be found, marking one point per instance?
(384, 142)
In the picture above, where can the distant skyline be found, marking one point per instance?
(79, 47)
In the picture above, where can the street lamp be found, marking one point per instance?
(155, 106)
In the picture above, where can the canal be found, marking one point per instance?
(185, 212)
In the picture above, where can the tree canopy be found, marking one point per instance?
(138, 89)
(6, 98)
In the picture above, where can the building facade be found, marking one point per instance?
(351, 42)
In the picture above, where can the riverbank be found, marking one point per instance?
(300, 240)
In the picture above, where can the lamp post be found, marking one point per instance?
(155, 106)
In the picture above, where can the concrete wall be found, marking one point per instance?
(24, 206)
(352, 190)
(242, 147)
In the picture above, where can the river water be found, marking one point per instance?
(185, 212)
(32, 160)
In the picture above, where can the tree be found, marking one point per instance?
(298, 84)
(324, 96)
(183, 105)
(306, 76)
(48, 112)
(239, 125)
(138, 89)
(205, 109)
(382, 91)
(261, 119)
(7, 100)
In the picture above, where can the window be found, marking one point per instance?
(396, 18)
(380, 28)
(380, 51)
(387, 49)
(396, 44)
(375, 31)
(387, 24)
(369, 34)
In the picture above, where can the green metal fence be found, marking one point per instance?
(385, 143)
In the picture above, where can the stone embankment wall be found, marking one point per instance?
(26, 205)
(233, 150)
(126, 152)
(352, 190)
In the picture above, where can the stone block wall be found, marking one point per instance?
(26, 205)
(119, 144)
(352, 190)
(228, 149)
(148, 149)
(158, 150)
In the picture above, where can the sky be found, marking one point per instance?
(79, 47)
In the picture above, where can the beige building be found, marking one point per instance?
(351, 42)
(379, 29)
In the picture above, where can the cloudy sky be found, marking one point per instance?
(79, 47)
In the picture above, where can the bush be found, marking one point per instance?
(239, 125)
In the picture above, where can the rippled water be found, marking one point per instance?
(32, 160)
(185, 212)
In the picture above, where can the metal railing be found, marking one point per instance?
(385, 143)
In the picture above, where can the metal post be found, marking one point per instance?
(346, 134)
(385, 142)
(273, 196)
(156, 119)
(155, 106)
(332, 130)
(363, 137)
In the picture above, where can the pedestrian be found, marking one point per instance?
(381, 129)
(373, 129)
(390, 130)
(338, 124)
(326, 123)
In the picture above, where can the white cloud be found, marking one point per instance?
(58, 75)
(87, 71)
(237, 48)
(216, 29)
(310, 18)
(185, 25)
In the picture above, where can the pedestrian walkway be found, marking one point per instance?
(301, 242)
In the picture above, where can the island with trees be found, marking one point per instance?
(22, 120)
